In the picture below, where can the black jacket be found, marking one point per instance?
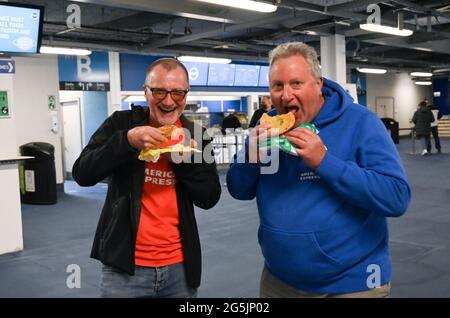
(422, 119)
(109, 155)
(231, 121)
(256, 117)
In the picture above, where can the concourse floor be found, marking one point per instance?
(58, 235)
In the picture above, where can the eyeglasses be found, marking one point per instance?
(160, 94)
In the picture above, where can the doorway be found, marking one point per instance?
(72, 134)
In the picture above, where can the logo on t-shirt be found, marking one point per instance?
(159, 177)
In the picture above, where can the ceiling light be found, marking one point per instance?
(421, 74)
(245, 4)
(441, 70)
(423, 83)
(342, 22)
(203, 59)
(385, 29)
(371, 70)
(63, 51)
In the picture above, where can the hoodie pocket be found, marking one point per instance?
(296, 256)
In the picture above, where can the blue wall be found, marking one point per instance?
(95, 112)
(442, 102)
(133, 68)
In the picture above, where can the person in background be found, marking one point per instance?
(231, 122)
(265, 107)
(434, 128)
(147, 237)
(422, 119)
(323, 213)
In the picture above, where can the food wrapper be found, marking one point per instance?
(152, 155)
(283, 143)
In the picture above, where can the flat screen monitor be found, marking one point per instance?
(246, 75)
(198, 73)
(221, 74)
(264, 76)
(20, 28)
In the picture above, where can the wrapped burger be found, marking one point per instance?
(175, 143)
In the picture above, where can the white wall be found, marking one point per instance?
(406, 95)
(34, 80)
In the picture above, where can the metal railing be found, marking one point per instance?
(226, 146)
(413, 139)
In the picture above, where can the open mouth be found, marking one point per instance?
(166, 111)
(293, 109)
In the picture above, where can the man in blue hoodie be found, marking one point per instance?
(323, 229)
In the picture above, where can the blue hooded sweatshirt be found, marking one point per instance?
(325, 230)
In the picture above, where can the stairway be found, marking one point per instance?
(444, 127)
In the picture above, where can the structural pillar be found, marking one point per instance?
(332, 55)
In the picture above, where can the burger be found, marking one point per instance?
(175, 143)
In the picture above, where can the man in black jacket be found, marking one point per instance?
(266, 106)
(434, 128)
(147, 237)
(422, 119)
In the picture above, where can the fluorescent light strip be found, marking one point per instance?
(245, 4)
(423, 83)
(63, 51)
(371, 70)
(385, 29)
(202, 59)
(421, 74)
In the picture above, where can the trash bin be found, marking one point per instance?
(38, 175)
(392, 125)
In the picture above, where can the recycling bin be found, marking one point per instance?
(38, 175)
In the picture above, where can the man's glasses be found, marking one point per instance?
(176, 94)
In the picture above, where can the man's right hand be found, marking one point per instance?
(258, 133)
(145, 136)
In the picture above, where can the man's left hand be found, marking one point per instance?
(310, 146)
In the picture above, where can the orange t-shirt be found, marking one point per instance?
(158, 240)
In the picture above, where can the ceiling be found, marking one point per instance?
(191, 27)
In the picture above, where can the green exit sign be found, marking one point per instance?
(4, 109)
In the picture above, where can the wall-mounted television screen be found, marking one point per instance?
(20, 28)
(198, 73)
(264, 76)
(246, 75)
(221, 74)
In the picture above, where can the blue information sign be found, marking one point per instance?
(7, 66)
(89, 72)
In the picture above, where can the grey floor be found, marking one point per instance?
(59, 235)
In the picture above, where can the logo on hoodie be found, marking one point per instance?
(305, 176)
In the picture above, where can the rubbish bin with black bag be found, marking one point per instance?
(392, 125)
(38, 175)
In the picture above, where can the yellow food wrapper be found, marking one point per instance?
(152, 155)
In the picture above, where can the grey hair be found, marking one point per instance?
(297, 48)
(168, 64)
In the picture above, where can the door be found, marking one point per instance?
(384, 107)
(72, 134)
